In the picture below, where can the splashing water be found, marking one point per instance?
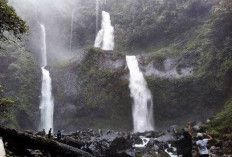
(46, 103)
(143, 105)
(105, 37)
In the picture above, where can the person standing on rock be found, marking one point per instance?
(59, 135)
(50, 133)
(184, 145)
(202, 144)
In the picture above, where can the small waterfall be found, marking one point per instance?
(143, 104)
(46, 103)
(71, 33)
(105, 37)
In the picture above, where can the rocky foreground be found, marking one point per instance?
(104, 144)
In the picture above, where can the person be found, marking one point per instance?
(50, 133)
(184, 145)
(202, 144)
(58, 135)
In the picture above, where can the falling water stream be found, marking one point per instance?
(46, 103)
(105, 37)
(143, 105)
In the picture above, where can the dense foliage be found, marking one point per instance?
(4, 101)
(10, 21)
(21, 80)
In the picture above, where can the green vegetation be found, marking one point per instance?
(104, 91)
(5, 103)
(21, 79)
(10, 21)
(145, 25)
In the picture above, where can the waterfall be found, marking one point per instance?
(46, 103)
(44, 46)
(143, 104)
(71, 33)
(105, 37)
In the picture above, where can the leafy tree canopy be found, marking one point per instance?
(10, 21)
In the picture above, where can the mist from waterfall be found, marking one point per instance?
(105, 37)
(97, 8)
(142, 98)
(46, 103)
(71, 33)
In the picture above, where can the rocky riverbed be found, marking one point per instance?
(121, 144)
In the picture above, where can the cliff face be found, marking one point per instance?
(92, 91)
(21, 80)
(184, 49)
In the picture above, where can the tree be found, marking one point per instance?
(10, 21)
(4, 102)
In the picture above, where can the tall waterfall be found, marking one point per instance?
(46, 103)
(105, 37)
(143, 104)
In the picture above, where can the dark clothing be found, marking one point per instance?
(204, 155)
(189, 154)
(50, 133)
(184, 146)
(58, 135)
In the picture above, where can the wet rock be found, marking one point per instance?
(166, 138)
(138, 141)
(149, 134)
(170, 150)
(216, 151)
(41, 133)
(172, 129)
(111, 145)
(196, 127)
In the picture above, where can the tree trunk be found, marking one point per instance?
(36, 142)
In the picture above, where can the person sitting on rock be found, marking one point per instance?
(202, 144)
(184, 145)
(58, 135)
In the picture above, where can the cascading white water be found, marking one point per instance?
(46, 103)
(44, 46)
(105, 37)
(143, 104)
(2, 149)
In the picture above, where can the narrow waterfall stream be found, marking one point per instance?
(46, 103)
(105, 37)
(143, 104)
